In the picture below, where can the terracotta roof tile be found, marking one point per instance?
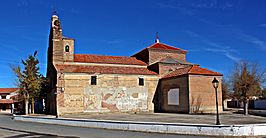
(107, 59)
(8, 90)
(6, 101)
(193, 70)
(196, 69)
(165, 47)
(104, 69)
(178, 72)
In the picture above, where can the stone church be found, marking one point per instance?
(156, 79)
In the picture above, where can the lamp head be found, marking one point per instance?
(215, 83)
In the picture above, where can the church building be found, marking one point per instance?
(156, 79)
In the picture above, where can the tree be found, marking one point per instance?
(247, 80)
(225, 91)
(263, 93)
(29, 80)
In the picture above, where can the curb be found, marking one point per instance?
(159, 127)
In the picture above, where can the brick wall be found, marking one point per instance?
(166, 85)
(155, 55)
(167, 68)
(68, 56)
(143, 56)
(202, 94)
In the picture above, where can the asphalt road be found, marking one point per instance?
(16, 129)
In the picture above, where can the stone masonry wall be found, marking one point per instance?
(202, 94)
(113, 93)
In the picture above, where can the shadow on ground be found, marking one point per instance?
(33, 134)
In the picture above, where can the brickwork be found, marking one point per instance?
(155, 55)
(181, 83)
(202, 94)
(56, 43)
(68, 56)
(167, 68)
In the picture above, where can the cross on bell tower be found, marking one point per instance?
(157, 38)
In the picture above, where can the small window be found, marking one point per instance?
(93, 80)
(67, 48)
(141, 82)
(173, 96)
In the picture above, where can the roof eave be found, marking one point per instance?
(206, 74)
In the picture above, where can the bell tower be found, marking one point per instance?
(61, 49)
(55, 50)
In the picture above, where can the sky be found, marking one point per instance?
(216, 33)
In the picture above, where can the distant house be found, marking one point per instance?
(156, 79)
(7, 99)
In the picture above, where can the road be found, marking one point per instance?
(15, 129)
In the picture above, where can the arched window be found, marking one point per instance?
(66, 48)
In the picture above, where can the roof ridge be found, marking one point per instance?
(192, 67)
(192, 70)
(189, 66)
(164, 45)
(93, 58)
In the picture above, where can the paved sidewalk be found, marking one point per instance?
(225, 119)
(232, 125)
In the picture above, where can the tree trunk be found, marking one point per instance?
(26, 106)
(223, 105)
(245, 106)
(32, 105)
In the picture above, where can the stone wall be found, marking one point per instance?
(113, 93)
(202, 94)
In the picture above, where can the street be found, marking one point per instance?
(13, 129)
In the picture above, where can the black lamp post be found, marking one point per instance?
(215, 84)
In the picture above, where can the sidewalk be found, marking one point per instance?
(225, 119)
(232, 124)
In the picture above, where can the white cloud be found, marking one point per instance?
(227, 51)
(232, 57)
(263, 25)
(254, 40)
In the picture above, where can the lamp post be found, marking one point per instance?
(215, 84)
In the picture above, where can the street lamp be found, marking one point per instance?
(215, 84)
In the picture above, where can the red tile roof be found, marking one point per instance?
(6, 101)
(165, 47)
(192, 70)
(107, 59)
(8, 90)
(104, 69)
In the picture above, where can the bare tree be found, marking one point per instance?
(247, 79)
(225, 91)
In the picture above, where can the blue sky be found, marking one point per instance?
(216, 33)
